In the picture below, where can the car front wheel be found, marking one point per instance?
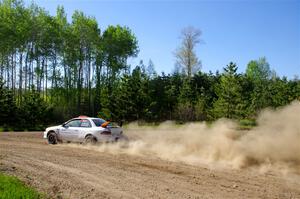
(52, 138)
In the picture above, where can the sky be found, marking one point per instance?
(232, 30)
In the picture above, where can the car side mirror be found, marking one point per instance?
(64, 125)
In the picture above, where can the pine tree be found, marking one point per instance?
(8, 109)
(229, 94)
(185, 107)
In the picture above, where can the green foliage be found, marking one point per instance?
(8, 108)
(185, 111)
(118, 44)
(185, 108)
(52, 69)
(129, 97)
(163, 92)
(11, 187)
(258, 69)
(229, 94)
(259, 73)
(200, 109)
(246, 124)
(34, 111)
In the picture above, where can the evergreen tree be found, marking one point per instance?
(228, 92)
(186, 100)
(34, 111)
(8, 109)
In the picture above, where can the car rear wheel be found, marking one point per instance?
(90, 140)
(52, 138)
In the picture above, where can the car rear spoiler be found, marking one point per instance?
(104, 125)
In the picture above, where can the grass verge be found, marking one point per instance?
(247, 124)
(12, 188)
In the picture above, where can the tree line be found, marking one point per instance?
(52, 70)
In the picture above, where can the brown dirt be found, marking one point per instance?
(62, 171)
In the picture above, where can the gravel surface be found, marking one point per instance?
(62, 171)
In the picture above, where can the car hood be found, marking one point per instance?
(53, 128)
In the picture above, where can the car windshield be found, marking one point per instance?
(73, 123)
(98, 122)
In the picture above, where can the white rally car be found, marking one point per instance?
(84, 129)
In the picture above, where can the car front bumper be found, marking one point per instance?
(45, 135)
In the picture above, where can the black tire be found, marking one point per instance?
(90, 140)
(52, 138)
(123, 138)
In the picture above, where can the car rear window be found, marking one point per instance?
(98, 122)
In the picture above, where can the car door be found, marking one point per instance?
(71, 130)
(84, 129)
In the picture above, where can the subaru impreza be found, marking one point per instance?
(84, 129)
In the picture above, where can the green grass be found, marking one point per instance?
(12, 188)
(247, 124)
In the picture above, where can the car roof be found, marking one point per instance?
(87, 117)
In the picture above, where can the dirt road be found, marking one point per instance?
(62, 171)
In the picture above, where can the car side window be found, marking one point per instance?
(98, 122)
(73, 123)
(85, 123)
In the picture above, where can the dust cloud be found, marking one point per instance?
(273, 144)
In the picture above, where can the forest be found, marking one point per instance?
(52, 70)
